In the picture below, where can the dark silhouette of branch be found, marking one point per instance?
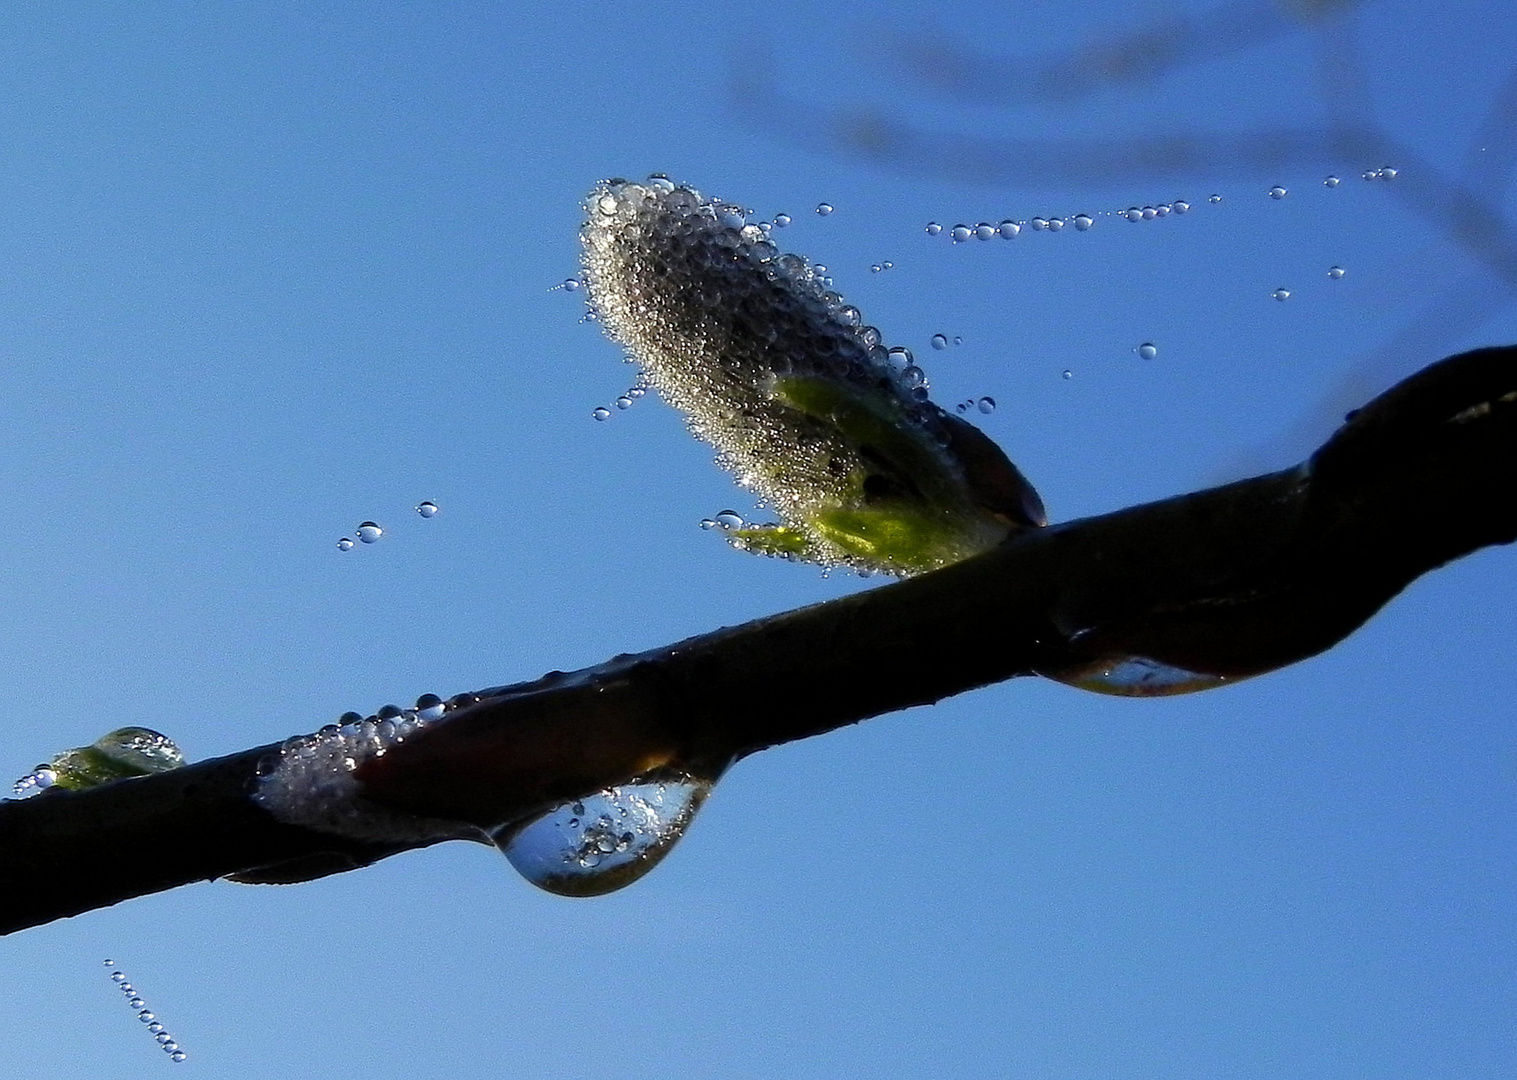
(1224, 583)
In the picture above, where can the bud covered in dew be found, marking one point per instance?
(798, 395)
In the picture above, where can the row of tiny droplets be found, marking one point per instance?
(1010, 228)
(165, 1040)
(369, 532)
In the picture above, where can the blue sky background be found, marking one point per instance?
(270, 270)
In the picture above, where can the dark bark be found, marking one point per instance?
(1225, 583)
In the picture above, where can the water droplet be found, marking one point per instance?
(708, 523)
(940, 341)
(1281, 294)
(1277, 192)
(1331, 181)
(178, 1055)
(984, 231)
(823, 209)
(1133, 213)
(1083, 222)
(961, 233)
(117, 976)
(1148, 350)
(136, 1003)
(1181, 206)
(146, 1016)
(1038, 224)
(899, 358)
(369, 532)
(887, 265)
(600, 412)
(163, 1037)
(569, 284)
(427, 509)
(986, 405)
(933, 228)
(1150, 212)
(1387, 173)
(1055, 224)
(781, 220)
(607, 840)
(1135, 676)
(875, 268)
(958, 340)
(345, 544)
(1214, 199)
(1008, 229)
(1336, 272)
(730, 519)
(914, 376)
(1068, 374)
(430, 707)
(155, 1028)
(624, 402)
(109, 963)
(1371, 174)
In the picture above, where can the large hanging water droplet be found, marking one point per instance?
(604, 841)
(369, 532)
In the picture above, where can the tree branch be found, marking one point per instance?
(1220, 584)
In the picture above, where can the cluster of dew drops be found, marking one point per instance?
(369, 532)
(1007, 229)
(154, 1026)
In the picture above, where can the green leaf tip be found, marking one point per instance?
(118, 755)
(803, 402)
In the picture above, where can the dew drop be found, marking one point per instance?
(900, 358)
(1133, 213)
(1148, 350)
(109, 963)
(369, 532)
(1331, 181)
(155, 1027)
(1281, 294)
(607, 840)
(986, 405)
(823, 209)
(1068, 374)
(569, 284)
(178, 1055)
(1336, 272)
(600, 412)
(887, 265)
(624, 402)
(1386, 173)
(1181, 206)
(117, 976)
(1038, 224)
(1083, 222)
(933, 228)
(345, 544)
(1214, 199)
(875, 268)
(1277, 192)
(958, 340)
(708, 523)
(961, 233)
(940, 341)
(136, 1003)
(1371, 174)
(781, 220)
(427, 509)
(730, 519)
(984, 231)
(146, 1016)
(1008, 229)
